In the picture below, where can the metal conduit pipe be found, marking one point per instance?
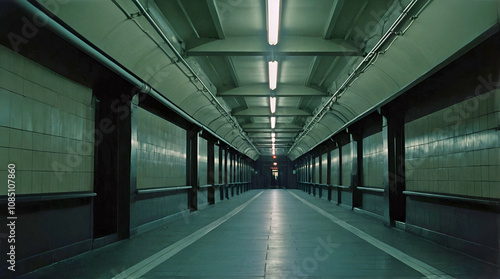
(212, 98)
(359, 69)
(103, 59)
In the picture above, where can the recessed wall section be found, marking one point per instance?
(202, 162)
(373, 161)
(216, 164)
(46, 128)
(456, 150)
(161, 152)
(335, 166)
(346, 164)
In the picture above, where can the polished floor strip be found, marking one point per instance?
(427, 270)
(153, 261)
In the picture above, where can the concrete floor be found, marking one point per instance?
(275, 235)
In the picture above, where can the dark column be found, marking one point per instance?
(329, 173)
(339, 179)
(226, 173)
(114, 161)
(192, 166)
(394, 176)
(211, 170)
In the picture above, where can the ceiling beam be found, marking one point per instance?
(232, 70)
(214, 13)
(334, 16)
(283, 90)
(267, 135)
(265, 126)
(288, 46)
(312, 70)
(264, 111)
(269, 130)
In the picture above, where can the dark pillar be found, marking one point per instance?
(329, 174)
(192, 166)
(114, 161)
(339, 180)
(394, 177)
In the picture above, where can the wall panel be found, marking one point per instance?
(346, 165)
(161, 152)
(216, 164)
(324, 168)
(202, 161)
(46, 128)
(316, 169)
(373, 160)
(335, 167)
(456, 150)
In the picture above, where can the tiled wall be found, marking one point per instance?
(346, 164)
(324, 168)
(334, 161)
(216, 165)
(202, 161)
(161, 154)
(456, 150)
(223, 158)
(316, 170)
(46, 128)
(373, 160)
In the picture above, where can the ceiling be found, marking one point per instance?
(318, 41)
(338, 59)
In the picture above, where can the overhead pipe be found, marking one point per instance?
(364, 63)
(212, 98)
(110, 64)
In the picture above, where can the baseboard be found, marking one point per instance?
(157, 223)
(104, 241)
(346, 206)
(369, 213)
(203, 206)
(475, 250)
(44, 259)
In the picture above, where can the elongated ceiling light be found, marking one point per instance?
(273, 74)
(273, 21)
(272, 102)
(273, 122)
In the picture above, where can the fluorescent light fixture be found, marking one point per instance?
(273, 151)
(273, 140)
(273, 145)
(273, 135)
(273, 21)
(273, 74)
(272, 102)
(273, 122)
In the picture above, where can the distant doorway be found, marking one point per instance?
(275, 179)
